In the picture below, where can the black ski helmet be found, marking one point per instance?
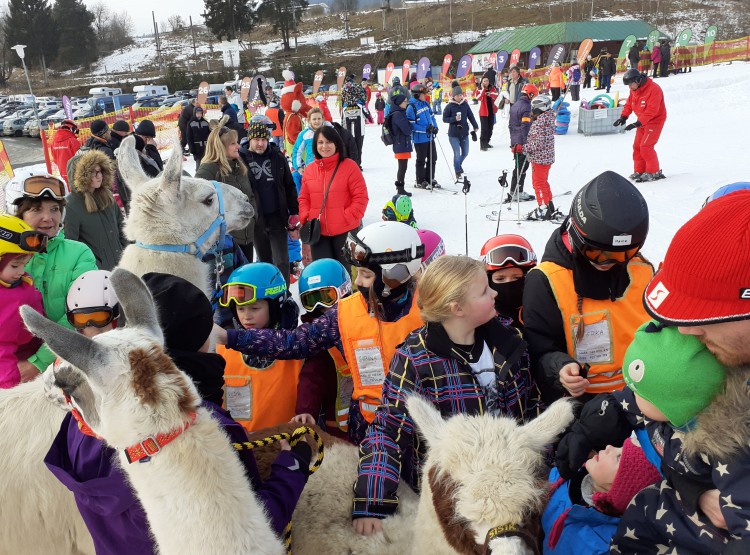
(633, 76)
(608, 213)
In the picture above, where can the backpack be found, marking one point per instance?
(577, 74)
(386, 134)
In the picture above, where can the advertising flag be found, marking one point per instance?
(464, 65)
(534, 57)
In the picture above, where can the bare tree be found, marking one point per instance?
(176, 22)
(120, 30)
(163, 27)
(343, 6)
(102, 16)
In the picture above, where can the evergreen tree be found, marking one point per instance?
(228, 18)
(30, 22)
(77, 43)
(284, 16)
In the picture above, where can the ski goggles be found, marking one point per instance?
(600, 256)
(325, 297)
(31, 241)
(43, 185)
(510, 254)
(359, 254)
(239, 293)
(98, 317)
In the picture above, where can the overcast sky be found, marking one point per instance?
(140, 11)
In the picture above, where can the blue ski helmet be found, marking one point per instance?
(254, 282)
(325, 273)
(727, 189)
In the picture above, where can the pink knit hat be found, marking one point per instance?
(634, 474)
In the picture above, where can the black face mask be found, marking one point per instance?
(509, 295)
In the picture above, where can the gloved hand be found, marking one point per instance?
(303, 453)
(517, 149)
(633, 126)
(474, 135)
(435, 130)
(620, 121)
(293, 222)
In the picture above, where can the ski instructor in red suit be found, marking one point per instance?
(647, 101)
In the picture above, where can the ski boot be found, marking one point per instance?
(436, 185)
(400, 190)
(423, 185)
(546, 213)
(647, 177)
(459, 176)
(635, 176)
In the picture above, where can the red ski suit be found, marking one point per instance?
(647, 102)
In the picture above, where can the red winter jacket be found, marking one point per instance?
(647, 102)
(347, 200)
(64, 146)
(656, 54)
(482, 97)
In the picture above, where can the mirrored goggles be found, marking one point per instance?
(600, 256)
(39, 186)
(97, 317)
(510, 254)
(240, 293)
(325, 297)
(396, 275)
(32, 241)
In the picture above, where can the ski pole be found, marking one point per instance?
(450, 170)
(465, 190)
(503, 180)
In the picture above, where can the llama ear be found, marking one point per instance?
(170, 177)
(545, 428)
(425, 416)
(129, 164)
(74, 347)
(136, 302)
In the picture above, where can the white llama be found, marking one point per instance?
(194, 490)
(490, 474)
(172, 209)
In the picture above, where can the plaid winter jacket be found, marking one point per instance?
(540, 144)
(427, 365)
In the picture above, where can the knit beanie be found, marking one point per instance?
(121, 125)
(456, 89)
(705, 278)
(146, 128)
(185, 312)
(634, 473)
(398, 99)
(674, 372)
(257, 130)
(99, 127)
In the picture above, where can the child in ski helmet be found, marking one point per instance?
(325, 382)
(399, 209)
(260, 391)
(18, 243)
(540, 152)
(450, 360)
(366, 326)
(91, 304)
(434, 248)
(507, 259)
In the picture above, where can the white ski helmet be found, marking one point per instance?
(91, 289)
(15, 189)
(394, 248)
(540, 104)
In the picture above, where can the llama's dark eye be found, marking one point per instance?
(209, 200)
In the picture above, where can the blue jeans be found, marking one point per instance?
(460, 147)
(437, 107)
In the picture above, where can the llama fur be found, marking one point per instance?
(194, 491)
(172, 209)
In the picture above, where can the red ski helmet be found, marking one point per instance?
(508, 251)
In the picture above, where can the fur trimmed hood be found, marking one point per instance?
(723, 427)
(85, 168)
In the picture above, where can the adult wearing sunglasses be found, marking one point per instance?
(583, 303)
(39, 200)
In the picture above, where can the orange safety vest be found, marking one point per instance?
(259, 398)
(609, 326)
(344, 390)
(369, 346)
(273, 115)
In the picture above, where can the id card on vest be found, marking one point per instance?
(239, 400)
(370, 364)
(596, 344)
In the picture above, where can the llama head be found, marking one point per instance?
(172, 209)
(486, 472)
(121, 382)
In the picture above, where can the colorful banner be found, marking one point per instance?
(202, 92)
(502, 59)
(366, 71)
(584, 50)
(653, 36)
(534, 57)
(467, 83)
(710, 35)
(556, 54)
(626, 45)
(6, 172)
(317, 81)
(340, 76)
(388, 72)
(405, 68)
(447, 63)
(245, 88)
(480, 62)
(257, 84)
(464, 66)
(514, 57)
(67, 107)
(423, 67)
(493, 59)
(684, 37)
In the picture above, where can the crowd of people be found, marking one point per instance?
(658, 360)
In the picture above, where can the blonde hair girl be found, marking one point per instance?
(220, 150)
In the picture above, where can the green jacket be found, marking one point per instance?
(211, 171)
(53, 273)
(101, 231)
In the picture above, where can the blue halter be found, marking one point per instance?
(194, 248)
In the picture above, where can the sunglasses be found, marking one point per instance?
(239, 293)
(510, 254)
(600, 256)
(38, 186)
(32, 241)
(325, 297)
(98, 317)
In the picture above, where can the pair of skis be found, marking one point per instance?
(494, 215)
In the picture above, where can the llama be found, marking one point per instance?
(172, 209)
(483, 484)
(193, 490)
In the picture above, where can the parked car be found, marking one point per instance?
(149, 102)
(13, 127)
(31, 129)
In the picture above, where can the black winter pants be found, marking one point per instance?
(587, 81)
(330, 246)
(486, 125)
(271, 242)
(422, 161)
(401, 173)
(520, 165)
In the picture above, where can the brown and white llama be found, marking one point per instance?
(194, 490)
(483, 490)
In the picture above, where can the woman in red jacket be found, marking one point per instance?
(346, 201)
(486, 96)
